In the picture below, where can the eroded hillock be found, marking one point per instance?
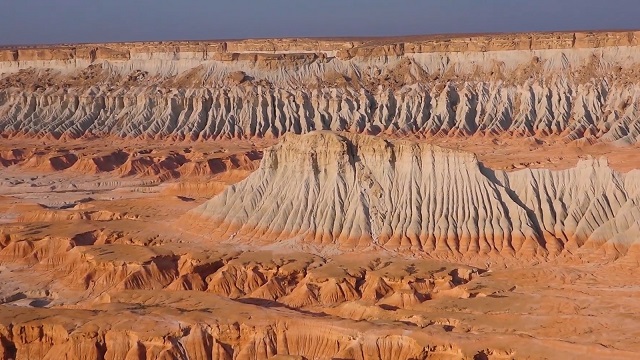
(353, 191)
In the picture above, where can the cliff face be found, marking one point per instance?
(571, 85)
(204, 50)
(360, 191)
(197, 335)
(78, 335)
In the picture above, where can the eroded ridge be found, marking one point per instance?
(186, 302)
(571, 86)
(359, 191)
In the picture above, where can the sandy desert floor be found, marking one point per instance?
(93, 254)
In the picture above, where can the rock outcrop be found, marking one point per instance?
(198, 335)
(354, 191)
(146, 163)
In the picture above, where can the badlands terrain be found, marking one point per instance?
(428, 197)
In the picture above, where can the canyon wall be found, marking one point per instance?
(573, 86)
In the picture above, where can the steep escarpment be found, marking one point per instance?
(354, 191)
(83, 334)
(597, 111)
(572, 86)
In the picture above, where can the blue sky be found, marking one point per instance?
(60, 21)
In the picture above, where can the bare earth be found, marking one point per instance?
(80, 247)
(209, 202)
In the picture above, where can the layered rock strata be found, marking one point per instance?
(281, 334)
(569, 85)
(355, 191)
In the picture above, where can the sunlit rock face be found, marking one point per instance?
(576, 86)
(357, 191)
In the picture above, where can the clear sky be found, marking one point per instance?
(65, 21)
